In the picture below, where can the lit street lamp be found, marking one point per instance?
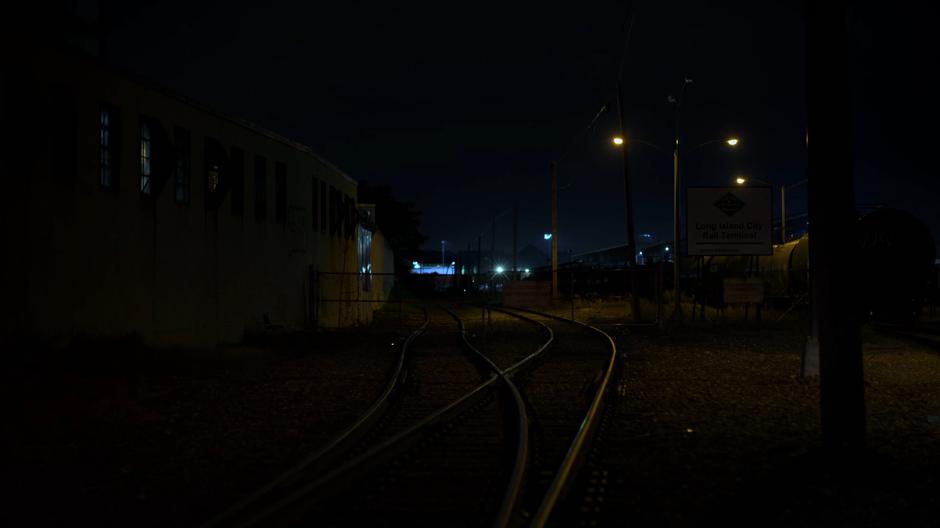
(741, 180)
(548, 246)
(731, 142)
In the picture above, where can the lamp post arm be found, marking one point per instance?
(700, 145)
(651, 145)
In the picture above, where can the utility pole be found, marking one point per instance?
(554, 171)
(515, 239)
(493, 247)
(783, 214)
(627, 194)
(479, 257)
(677, 230)
(677, 312)
(833, 246)
(628, 205)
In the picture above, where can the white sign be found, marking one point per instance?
(729, 221)
(743, 290)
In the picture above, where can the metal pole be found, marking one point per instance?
(677, 232)
(627, 194)
(628, 205)
(515, 239)
(554, 241)
(677, 312)
(479, 270)
(493, 247)
(783, 214)
(493, 261)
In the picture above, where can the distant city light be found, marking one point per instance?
(547, 236)
(526, 270)
(415, 265)
(740, 180)
(641, 253)
(667, 248)
(646, 235)
(499, 269)
(453, 263)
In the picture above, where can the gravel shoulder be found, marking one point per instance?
(115, 434)
(716, 425)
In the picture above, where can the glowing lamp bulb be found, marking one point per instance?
(732, 141)
(499, 269)
(618, 140)
(740, 180)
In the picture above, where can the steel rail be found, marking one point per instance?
(514, 488)
(929, 337)
(576, 452)
(401, 442)
(335, 447)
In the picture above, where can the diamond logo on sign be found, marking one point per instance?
(729, 204)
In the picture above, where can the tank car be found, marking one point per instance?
(894, 268)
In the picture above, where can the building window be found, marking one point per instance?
(212, 176)
(280, 193)
(183, 163)
(106, 149)
(315, 205)
(365, 258)
(216, 167)
(64, 135)
(238, 180)
(350, 218)
(146, 155)
(109, 146)
(323, 207)
(261, 188)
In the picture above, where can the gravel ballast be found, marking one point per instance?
(117, 434)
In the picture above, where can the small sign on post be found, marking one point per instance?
(743, 291)
(729, 221)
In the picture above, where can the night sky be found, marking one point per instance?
(461, 107)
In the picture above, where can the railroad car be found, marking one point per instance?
(893, 268)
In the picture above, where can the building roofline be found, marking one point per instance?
(148, 83)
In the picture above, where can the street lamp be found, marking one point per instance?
(617, 140)
(548, 246)
(741, 180)
(731, 142)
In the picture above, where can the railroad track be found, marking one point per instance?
(921, 333)
(417, 460)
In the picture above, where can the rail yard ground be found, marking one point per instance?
(712, 423)
(116, 434)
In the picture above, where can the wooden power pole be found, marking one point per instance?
(833, 246)
(554, 170)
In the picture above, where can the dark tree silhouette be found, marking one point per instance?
(398, 220)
